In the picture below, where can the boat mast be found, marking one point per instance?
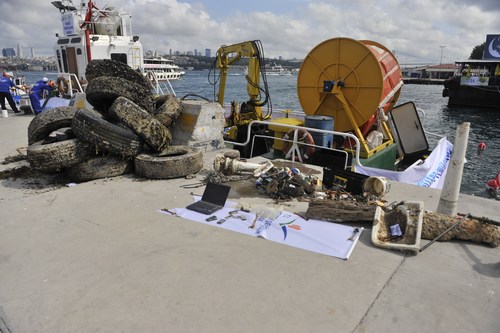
(86, 22)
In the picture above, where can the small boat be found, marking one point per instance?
(163, 69)
(349, 119)
(273, 70)
(477, 83)
(277, 70)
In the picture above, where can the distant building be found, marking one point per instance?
(8, 52)
(208, 53)
(19, 51)
(440, 72)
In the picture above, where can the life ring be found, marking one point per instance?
(62, 85)
(304, 144)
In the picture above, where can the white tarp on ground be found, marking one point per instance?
(430, 173)
(54, 102)
(290, 229)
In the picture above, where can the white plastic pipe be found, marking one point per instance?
(451, 187)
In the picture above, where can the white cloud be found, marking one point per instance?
(415, 29)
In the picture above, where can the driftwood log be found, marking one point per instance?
(340, 211)
(476, 230)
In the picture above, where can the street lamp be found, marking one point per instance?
(440, 61)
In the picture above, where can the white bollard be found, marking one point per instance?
(451, 187)
(5, 114)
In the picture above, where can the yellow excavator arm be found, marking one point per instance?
(229, 54)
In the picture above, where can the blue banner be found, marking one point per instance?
(492, 47)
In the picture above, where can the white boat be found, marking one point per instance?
(274, 69)
(277, 70)
(93, 32)
(163, 69)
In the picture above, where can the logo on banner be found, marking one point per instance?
(492, 47)
(436, 174)
(289, 225)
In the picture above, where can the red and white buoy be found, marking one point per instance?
(481, 147)
(494, 184)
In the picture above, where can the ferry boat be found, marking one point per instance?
(477, 83)
(163, 69)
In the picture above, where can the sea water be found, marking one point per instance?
(439, 118)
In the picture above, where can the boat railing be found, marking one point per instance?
(73, 83)
(294, 148)
(157, 85)
(422, 115)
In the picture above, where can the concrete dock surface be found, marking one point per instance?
(99, 257)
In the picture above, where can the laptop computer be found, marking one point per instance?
(213, 198)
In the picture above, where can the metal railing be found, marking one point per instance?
(251, 139)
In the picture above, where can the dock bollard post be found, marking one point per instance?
(451, 188)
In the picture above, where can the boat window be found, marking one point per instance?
(64, 61)
(63, 41)
(79, 51)
(76, 40)
(121, 57)
(58, 56)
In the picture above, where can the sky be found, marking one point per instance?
(417, 31)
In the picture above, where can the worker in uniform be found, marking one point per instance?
(36, 94)
(5, 85)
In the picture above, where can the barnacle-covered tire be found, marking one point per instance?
(168, 108)
(173, 162)
(55, 156)
(104, 90)
(49, 121)
(90, 126)
(100, 167)
(107, 67)
(157, 136)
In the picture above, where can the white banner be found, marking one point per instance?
(289, 229)
(430, 173)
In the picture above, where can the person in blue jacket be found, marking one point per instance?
(36, 94)
(5, 85)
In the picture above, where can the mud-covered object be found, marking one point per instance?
(55, 156)
(104, 90)
(168, 108)
(470, 229)
(100, 167)
(173, 162)
(154, 133)
(90, 126)
(49, 121)
(107, 67)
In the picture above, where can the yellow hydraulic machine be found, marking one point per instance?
(242, 115)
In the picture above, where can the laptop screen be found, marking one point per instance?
(216, 193)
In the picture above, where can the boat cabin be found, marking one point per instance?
(92, 33)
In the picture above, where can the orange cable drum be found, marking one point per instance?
(369, 71)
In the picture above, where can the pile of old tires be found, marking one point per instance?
(128, 130)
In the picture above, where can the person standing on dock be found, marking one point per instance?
(36, 94)
(5, 85)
